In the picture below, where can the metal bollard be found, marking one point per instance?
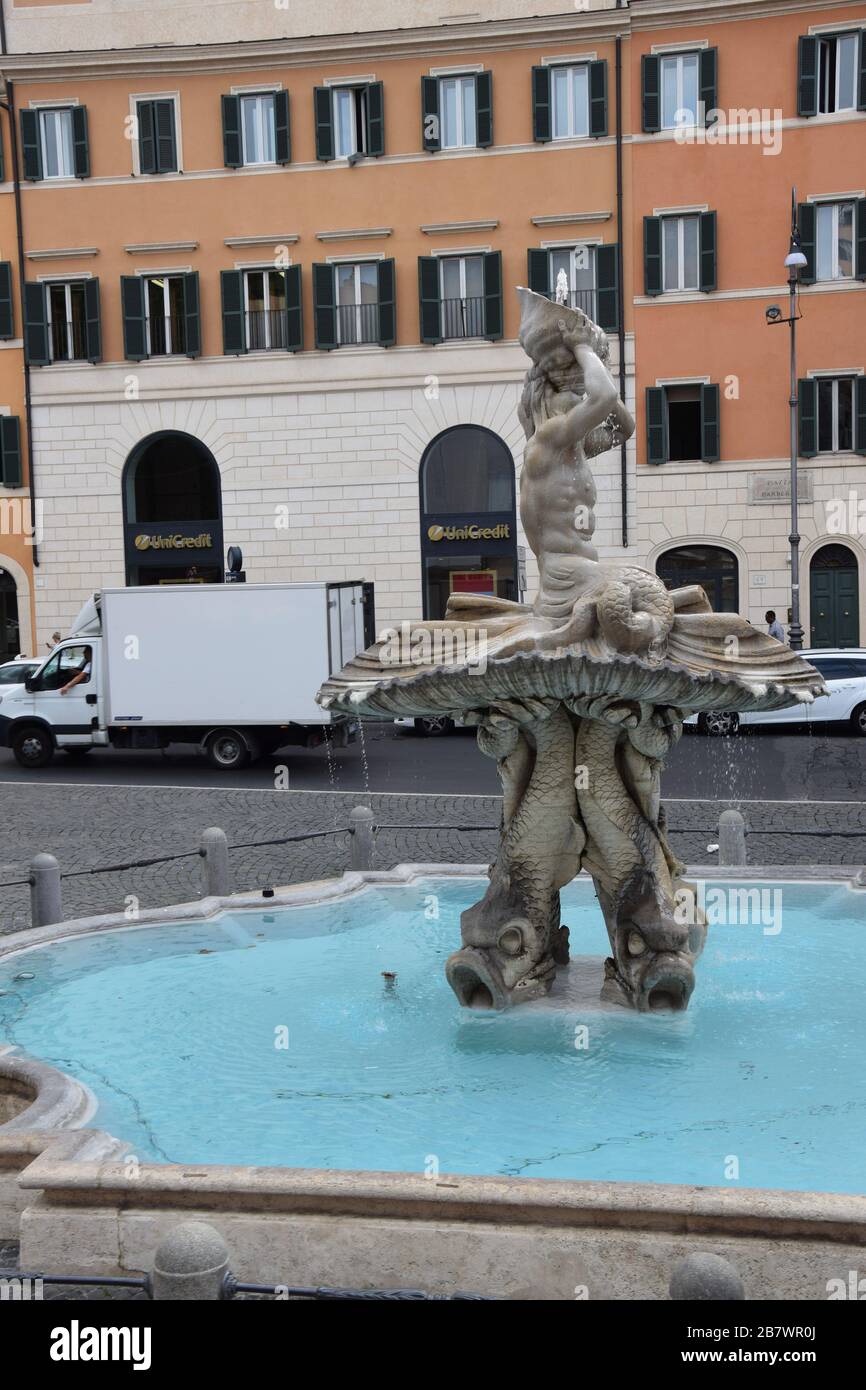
(363, 840)
(45, 902)
(215, 867)
(190, 1263)
(732, 838)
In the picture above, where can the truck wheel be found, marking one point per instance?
(33, 746)
(226, 750)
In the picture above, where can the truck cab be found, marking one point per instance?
(59, 706)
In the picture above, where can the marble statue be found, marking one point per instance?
(579, 697)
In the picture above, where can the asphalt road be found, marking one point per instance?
(755, 765)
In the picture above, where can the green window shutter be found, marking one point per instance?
(484, 109)
(652, 255)
(31, 153)
(493, 295)
(282, 128)
(607, 287)
(538, 270)
(375, 119)
(598, 98)
(2, 160)
(710, 424)
(860, 248)
(146, 137)
(10, 451)
(708, 61)
(807, 75)
(387, 304)
(232, 300)
(166, 147)
(324, 123)
(807, 414)
(191, 314)
(232, 151)
(806, 226)
(650, 88)
(294, 309)
(430, 132)
(542, 127)
(430, 303)
(134, 326)
(36, 348)
(707, 230)
(656, 425)
(7, 317)
(324, 307)
(861, 80)
(860, 415)
(80, 143)
(92, 327)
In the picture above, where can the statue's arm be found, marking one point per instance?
(600, 400)
(617, 427)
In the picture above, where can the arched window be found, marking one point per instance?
(468, 521)
(711, 566)
(834, 600)
(9, 631)
(172, 502)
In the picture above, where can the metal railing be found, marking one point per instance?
(166, 335)
(267, 329)
(587, 300)
(68, 340)
(463, 318)
(357, 323)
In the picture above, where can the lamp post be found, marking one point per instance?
(794, 261)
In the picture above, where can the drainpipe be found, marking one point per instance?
(623, 462)
(9, 106)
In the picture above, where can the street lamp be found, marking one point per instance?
(794, 261)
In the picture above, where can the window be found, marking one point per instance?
(711, 566)
(258, 128)
(837, 72)
(350, 121)
(67, 321)
(55, 137)
(680, 253)
(61, 668)
(157, 136)
(578, 265)
(838, 669)
(570, 101)
(165, 315)
(265, 307)
(835, 414)
(357, 303)
(679, 90)
(682, 423)
(457, 112)
(461, 288)
(834, 240)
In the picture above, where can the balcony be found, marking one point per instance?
(357, 323)
(267, 329)
(166, 336)
(68, 340)
(587, 300)
(463, 318)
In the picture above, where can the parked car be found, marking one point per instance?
(844, 672)
(15, 672)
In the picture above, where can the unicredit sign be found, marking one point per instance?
(502, 532)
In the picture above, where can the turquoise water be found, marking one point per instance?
(176, 1030)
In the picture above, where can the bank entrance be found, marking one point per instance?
(172, 511)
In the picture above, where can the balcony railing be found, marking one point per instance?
(68, 340)
(167, 335)
(357, 323)
(587, 300)
(267, 329)
(463, 318)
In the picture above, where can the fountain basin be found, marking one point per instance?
(320, 1036)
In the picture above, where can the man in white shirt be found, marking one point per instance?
(774, 627)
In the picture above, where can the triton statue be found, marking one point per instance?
(579, 697)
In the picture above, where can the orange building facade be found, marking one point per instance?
(269, 268)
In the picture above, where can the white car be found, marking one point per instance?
(844, 672)
(15, 672)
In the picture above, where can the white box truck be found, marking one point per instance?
(231, 668)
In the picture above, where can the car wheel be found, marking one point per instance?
(33, 746)
(858, 720)
(226, 750)
(719, 723)
(434, 725)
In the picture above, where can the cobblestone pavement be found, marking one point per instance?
(107, 827)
